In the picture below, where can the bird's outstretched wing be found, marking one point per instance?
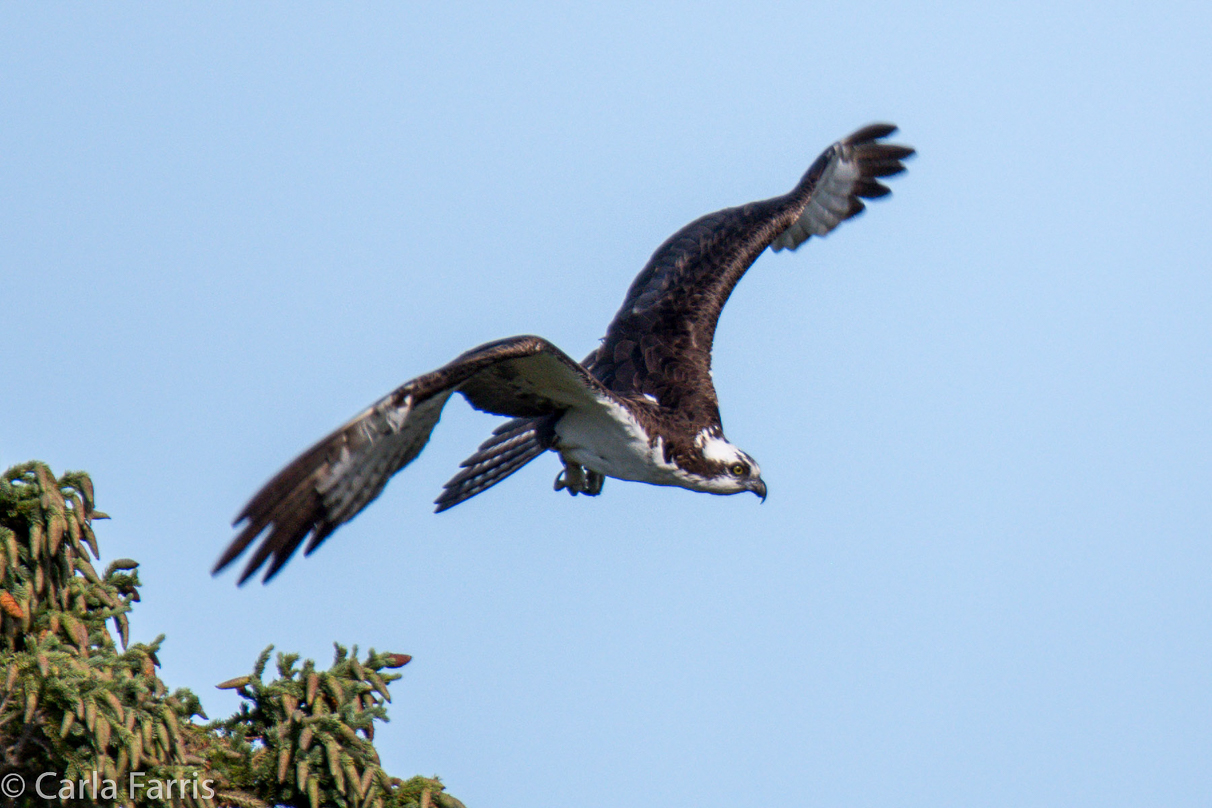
(326, 486)
(659, 343)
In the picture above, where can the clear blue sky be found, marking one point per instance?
(983, 574)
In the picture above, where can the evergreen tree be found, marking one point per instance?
(101, 718)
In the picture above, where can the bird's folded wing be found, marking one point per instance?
(332, 481)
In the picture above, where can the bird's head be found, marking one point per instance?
(728, 469)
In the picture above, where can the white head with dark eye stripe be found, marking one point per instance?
(732, 471)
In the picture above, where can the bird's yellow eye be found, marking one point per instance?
(738, 469)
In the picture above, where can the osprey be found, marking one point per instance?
(640, 407)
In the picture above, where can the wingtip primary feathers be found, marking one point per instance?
(837, 182)
(324, 487)
(871, 132)
(288, 520)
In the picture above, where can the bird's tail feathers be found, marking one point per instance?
(512, 445)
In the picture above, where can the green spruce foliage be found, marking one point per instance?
(74, 703)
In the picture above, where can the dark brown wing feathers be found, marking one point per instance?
(332, 481)
(659, 344)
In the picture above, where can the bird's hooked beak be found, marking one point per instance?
(758, 487)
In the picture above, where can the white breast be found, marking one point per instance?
(611, 442)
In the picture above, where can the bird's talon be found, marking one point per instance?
(572, 478)
(593, 483)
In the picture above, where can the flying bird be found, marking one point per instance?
(641, 407)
